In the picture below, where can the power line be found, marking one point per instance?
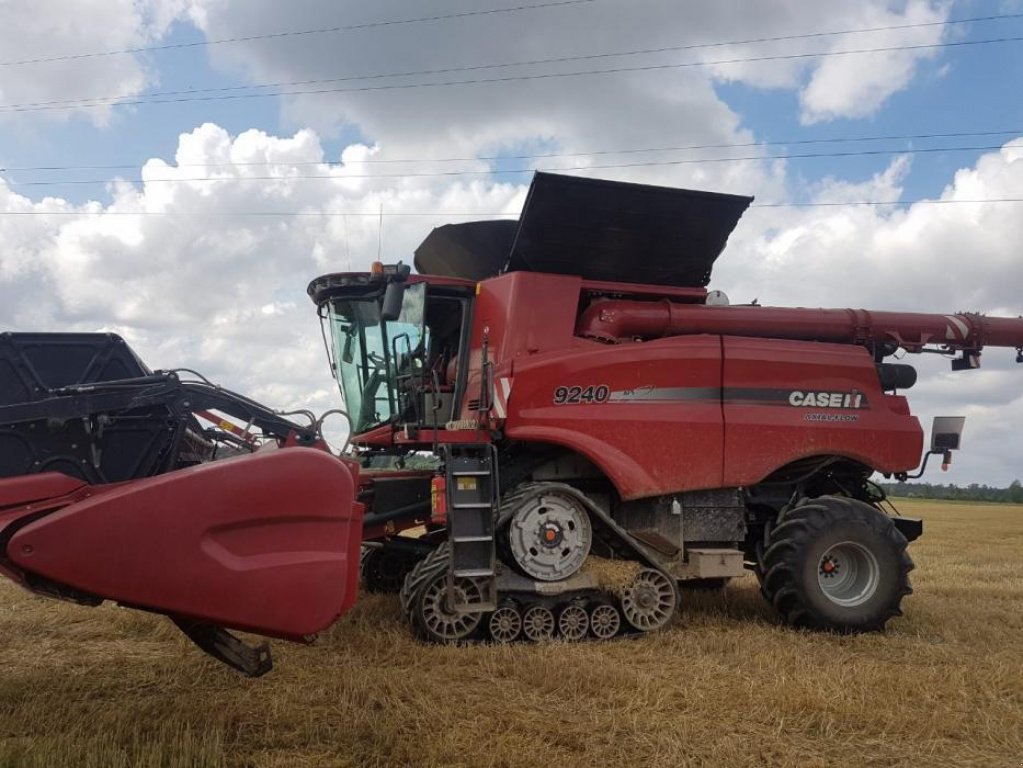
(890, 202)
(107, 100)
(513, 214)
(540, 156)
(297, 33)
(514, 171)
(82, 104)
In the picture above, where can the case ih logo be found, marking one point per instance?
(827, 399)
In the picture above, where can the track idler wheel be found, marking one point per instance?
(538, 623)
(649, 603)
(424, 598)
(605, 620)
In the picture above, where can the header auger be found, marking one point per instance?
(576, 427)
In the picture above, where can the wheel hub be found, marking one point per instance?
(848, 574)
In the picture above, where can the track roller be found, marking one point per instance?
(605, 620)
(538, 623)
(573, 622)
(505, 623)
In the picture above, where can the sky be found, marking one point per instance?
(177, 171)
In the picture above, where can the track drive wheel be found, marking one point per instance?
(835, 564)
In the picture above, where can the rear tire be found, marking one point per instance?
(835, 564)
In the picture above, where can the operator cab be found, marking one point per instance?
(396, 345)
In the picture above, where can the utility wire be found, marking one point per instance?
(297, 33)
(82, 104)
(540, 156)
(513, 171)
(106, 100)
(513, 214)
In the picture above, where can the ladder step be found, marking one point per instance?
(471, 473)
(473, 505)
(473, 573)
(461, 539)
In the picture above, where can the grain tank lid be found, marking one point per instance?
(473, 250)
(623, 232)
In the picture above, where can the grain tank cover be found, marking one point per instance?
(597, 229)
(474, 250)
(622, 232)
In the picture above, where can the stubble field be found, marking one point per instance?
(726, 686)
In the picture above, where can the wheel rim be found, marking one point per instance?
(550, 536)
(505, 624)
(848, 574)
(649, 602)
(443, 624)
(573, 623)
(538, 623)
(605, 621)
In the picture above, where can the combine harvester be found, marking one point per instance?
(583, 396)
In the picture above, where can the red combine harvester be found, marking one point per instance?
(547, 395)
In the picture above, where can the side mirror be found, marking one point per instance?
(947, 433)
(394, 295)
(346, 351)
(946, 436)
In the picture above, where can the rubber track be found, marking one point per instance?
(795, 529)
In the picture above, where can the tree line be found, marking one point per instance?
(972, 492)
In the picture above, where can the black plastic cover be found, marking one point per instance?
(597, 229)
(474, 250)
(623, 232)
(32, 364)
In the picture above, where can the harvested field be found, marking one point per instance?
(727, 686)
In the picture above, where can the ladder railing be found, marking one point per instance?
(472, 518)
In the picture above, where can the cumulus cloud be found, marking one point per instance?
(567, 114)
(857, 85)
(51, 28)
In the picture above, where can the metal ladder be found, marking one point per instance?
(472, 519)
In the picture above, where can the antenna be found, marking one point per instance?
(380, 231)
(348, 251)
